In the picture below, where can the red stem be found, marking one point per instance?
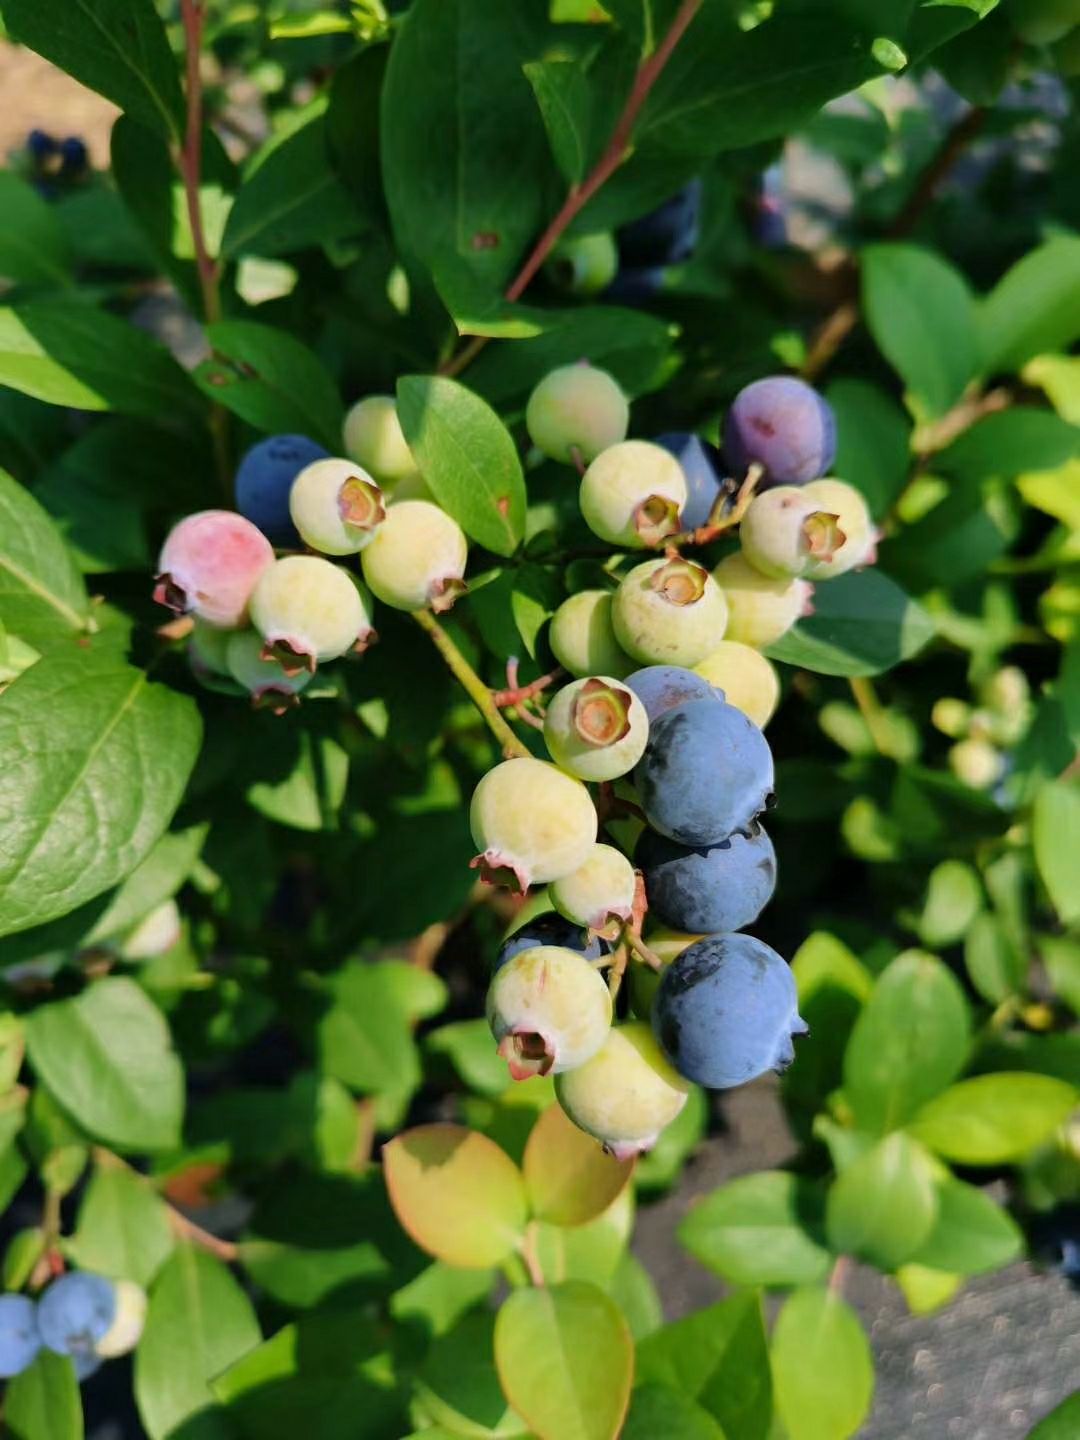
(516, 694)
(190, 159)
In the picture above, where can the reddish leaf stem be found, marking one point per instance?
(189, 160)
(517, 694)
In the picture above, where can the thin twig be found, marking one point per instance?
(190, 159)
(477, 691)
(838, 1274)
(517, 694)
(187, 1229)
(865, 697)
(642, 951)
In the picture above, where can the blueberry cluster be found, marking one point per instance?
(85, 1316)
(53, 165)
(284, 584)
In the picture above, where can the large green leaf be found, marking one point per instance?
(883, 1206)
(199, 1323)
(271, 380)
(123, 1228)
(458, 1385)
(1056, 833)
(873, 441)
(32, 244)
(96, 758)
(823, 1370)
(117, 47)
(1034, 307)
(763, 1229)
(42, 598)
(971, 1233)
(1063, 1422)
(993, 1119)
(107, 1056)
(660, 1410)
(565, 1360)
(862, 624)
(467, 457)
(43, 1402)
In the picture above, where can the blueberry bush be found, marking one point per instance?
(464, 462)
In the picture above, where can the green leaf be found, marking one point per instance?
(467, 1045)
(74, 354)
(440, 1295)
(1034, 307)
(926, 1290)
(32, 244)
(862, 624)
(199, 1323)
(632, 1289)
(873, 442)
(151, 883)
(1062, 1423)
(762, 1229)
(1056, 834)
(96, 761)
(996, 966)
(954, 897)
(660, 1410)
(117, 47)
(562, 93)
(569, 1177)
(961, 537)
(971, 1234)
(565, 1360)
(123, 1228)
(993, 1119)
(271, 380)
(311, 794)
(1012, 442)
(42, 597)
(106, 1055)
(457, 1385)
(922, 315)
(43, 1402)
(1059, 376)
(290, 198)
(468, 458)
(823, 1371)
(910, 1041)
(883, 1206)
(833, 986)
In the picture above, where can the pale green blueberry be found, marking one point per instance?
(531, 822)
(549, 1009)
(575, 412)
(262, 677)
(632, 494)
(336, 506)
(417, 558)
(585, 264)
(126, 1329)
(760, 609)
(207, 646)
(1007, 690)
(600, 890)
(783, 532)
(853, 527)
(308, 610)
(669, 612)
(951, 716)
(373, 438)
(748, 680)
(154, 934)
(596, 728)
(582, 638)
(977, 763)
(626, 1094)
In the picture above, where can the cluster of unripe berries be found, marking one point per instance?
(285, 583)
(85, 1316)
(985, 732)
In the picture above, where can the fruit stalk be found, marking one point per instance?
(467, 677)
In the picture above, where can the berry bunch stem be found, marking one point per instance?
(477, 691)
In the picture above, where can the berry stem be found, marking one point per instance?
(718, 522)
(870, 709)
(478, 692)
(838, 1274)
(641, 950)
(518, 693)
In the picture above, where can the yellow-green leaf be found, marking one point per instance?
(569, 1177)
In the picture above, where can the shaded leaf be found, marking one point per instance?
(883, 1205)
(862, 624)
(822, 1367)
(271, 380)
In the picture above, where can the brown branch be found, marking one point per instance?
(945, 157)
(189, 160)
(187, 1229)
(831, 335)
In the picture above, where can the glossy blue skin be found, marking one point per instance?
(708, 890)
(668, 234)
(551, 929)
(703, 466)
(265, 478)
(726, 1011)
(662, 687)
(707, 772)
(75, 1312)
(783, 424)
(19, 1337)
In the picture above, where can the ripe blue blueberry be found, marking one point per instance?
(666, 235)
(784, 425)
(703, 466)
(41, 145)
(73, 157)
(76, 1312)
(552, 929)
(20, 1339)
(264, 479)
(662, 687)
(636, 285)
(707, 771)
(708, 889)
(726, 1011)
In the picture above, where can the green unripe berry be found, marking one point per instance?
(626, 1093)
(531, 822)
(207, 646)
(632, 494)
(669, 612)
(582, 638)
(373, 438)
(336, 506)
(853, 526)
(417, 558)
(549, 1009)
(760, 609)
(308, 611)
(783, 532)
(598, 891)
(576, 408)
(263, 678)
(585, 264)
(951, 716)
(977, 763)
(748, 680)
(596, 728)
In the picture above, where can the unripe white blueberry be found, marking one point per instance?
(853, 522)
(760, 609)
(263, 678)
(784, 532)
(632, 494)
(549, 1009)
(336, 506)
(599, 890)
(977, 763)
(373, 437)
(531, 822)
(582, 638)
(626, 1094)
(126, 1330)
(576, 408)
(669, 612)
(585, 264)
(596, 728)
(748, 680)
(309, 610)
(417, 557)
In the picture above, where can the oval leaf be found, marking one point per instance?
(659, 1410)
(863, 623)
(458, 1195)
(569, 1176)
(1034, 307)
(823, 1372)
(467, 457)
(883, 1206)
(42, 596)
(971, 1234)
(43, 1402)
(992, 1119)
(272, 381)
(566, 1361)
(762, 1229)
(123, 1229)
(1056, 833)
(1063, 1422)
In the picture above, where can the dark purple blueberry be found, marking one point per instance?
(668, 235)
(784, 425)
(551, 929)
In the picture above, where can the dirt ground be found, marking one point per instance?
(36, 95)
